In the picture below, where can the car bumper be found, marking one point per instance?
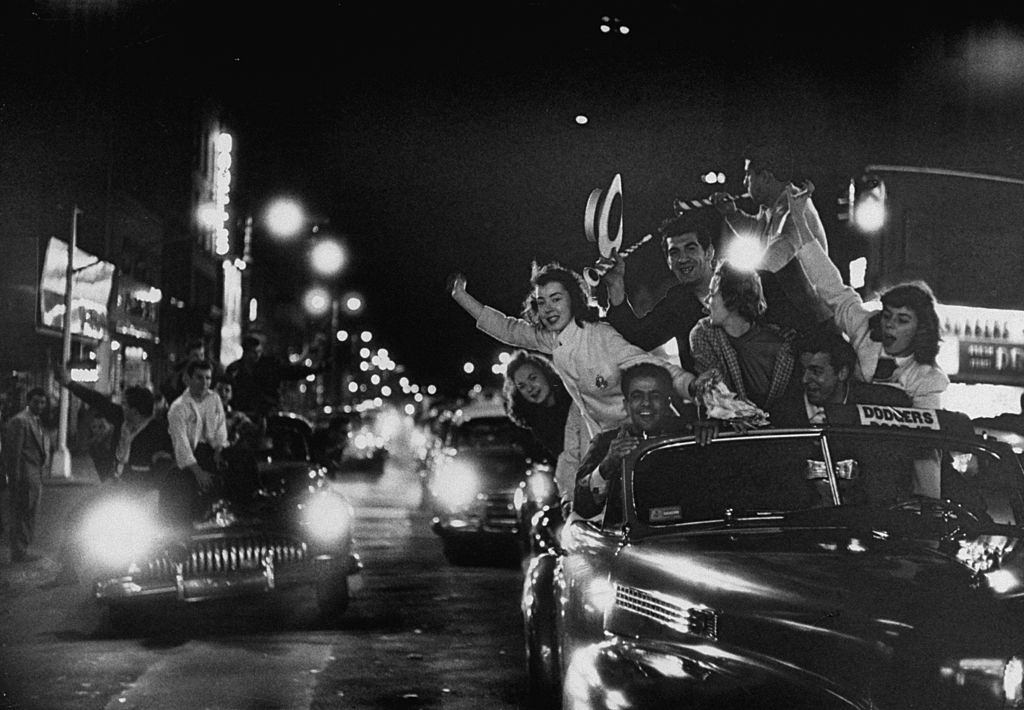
(264, 578)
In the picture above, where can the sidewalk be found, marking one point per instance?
(60, 497)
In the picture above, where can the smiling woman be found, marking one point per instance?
(587, 354)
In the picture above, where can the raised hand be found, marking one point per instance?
(723, 202)
(457, 284)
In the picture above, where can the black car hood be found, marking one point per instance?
(796, 591)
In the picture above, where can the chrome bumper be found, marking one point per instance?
(260, 580)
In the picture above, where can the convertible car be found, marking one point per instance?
(790, 569)
(484, 485)
(279, 525)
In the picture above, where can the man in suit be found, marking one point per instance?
(26, 452)
(827, 362)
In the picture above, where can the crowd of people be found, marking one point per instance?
(176, 440)
(763, 345)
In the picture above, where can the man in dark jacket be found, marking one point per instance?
(256, 378)
(141, 446)
(827, 362)
(688, 245)
(647, 390)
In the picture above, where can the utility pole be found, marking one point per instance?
(61, 466)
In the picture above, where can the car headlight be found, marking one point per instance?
(327, 516)
(455, 484)
(119, 530)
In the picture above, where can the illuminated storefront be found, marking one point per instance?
(135, 322)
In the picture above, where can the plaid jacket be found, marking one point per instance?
(713, 351)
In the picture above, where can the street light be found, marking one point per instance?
(285, 218)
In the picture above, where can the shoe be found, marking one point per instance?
(24, 557)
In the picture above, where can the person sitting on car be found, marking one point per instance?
(647, 391)
(828, 362)
(752, 357)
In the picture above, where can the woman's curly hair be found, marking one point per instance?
(521, 411)
(575, 286)
(918, 297)
(741, 291)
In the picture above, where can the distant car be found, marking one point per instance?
(367, 445)
(483, 484)
(790, 569)
(281, 526)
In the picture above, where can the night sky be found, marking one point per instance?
(442, 139)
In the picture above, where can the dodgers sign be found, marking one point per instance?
(903, 417)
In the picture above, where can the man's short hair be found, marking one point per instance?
(35, 392)
(830, 341)
(646, 369)
(706, 223)
(140, 399)
(198, 365)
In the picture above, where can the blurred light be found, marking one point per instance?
(410, 409)
(504, 357)
(253, 309)
(342, 336)
(744, 253)
(869, 214)
(366, 336)
(209, 215)
(364, 366)
(285, 218)
(623, 30)
(353, 304)
(115, 345)
(327, 257)
(498, 369)
(606, 28)
(353, 387)
(375, 379)
(364, 353)
(385, 391)
(418, 397)
(431, 389)
(858, 272)
(468, 368)
(582, 120)
(316, 301)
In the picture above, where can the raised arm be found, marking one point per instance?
(458, 290)
(846, 305)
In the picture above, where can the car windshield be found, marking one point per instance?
(486, 432)
(750, 476)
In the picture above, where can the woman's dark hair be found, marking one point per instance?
(519, 410)
(575, 286)
(741, 291)
(918, 297)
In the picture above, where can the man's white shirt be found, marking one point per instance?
(191, 421)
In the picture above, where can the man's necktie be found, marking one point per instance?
(884, 370)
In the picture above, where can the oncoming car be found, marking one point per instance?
(280, 525)
(791, 569)
(485, 483)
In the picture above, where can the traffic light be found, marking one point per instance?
(866, 203)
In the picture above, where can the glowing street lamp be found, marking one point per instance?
(327, 257)
(316, 301)
(285, 218)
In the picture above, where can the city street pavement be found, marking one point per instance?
(60, 497)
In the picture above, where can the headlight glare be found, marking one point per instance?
(119, 530)
(455, 484)
(327, 516)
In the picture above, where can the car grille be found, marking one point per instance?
(499, 511)
(222, 556)
(665, 610)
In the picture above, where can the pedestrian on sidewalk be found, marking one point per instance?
(26, 452)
